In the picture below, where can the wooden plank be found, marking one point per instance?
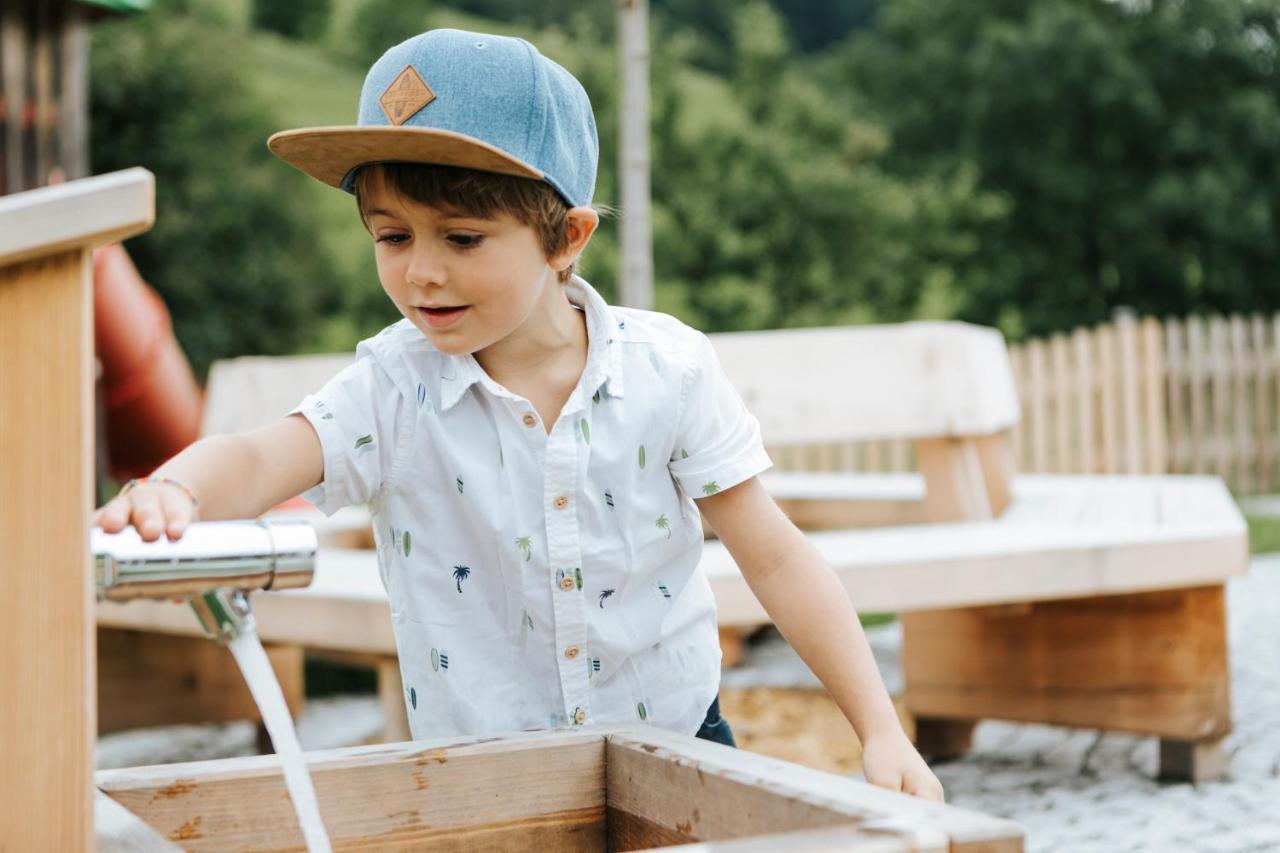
(119, 830)
(1085, 383)
(1220, 378)
(954, 483)
(1263, 396)
(147, 678)
(1179, 453)
(1197, 371)
(1241, 442)
(1017, 363)
(83, 213)
(488, 794)
(1063, 389)
(1104, 339)
(697, 790)
(931, 380)
(46, 418)
(1153, 663)
(1037, 399)
(1130, 429)
(1154, 414)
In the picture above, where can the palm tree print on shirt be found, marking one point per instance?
(439, 659)
(586, 431)
(406, 543)
(662, 588)
(458, 483)
(642, 711)
(641, 456)
(413, 698)
(608, 498)
(577, 576)
(710, 488)
(606, 594)
(364, 441)
(663, 524)
(525, 544)
(461, 573)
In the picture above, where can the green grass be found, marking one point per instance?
(1264, 534)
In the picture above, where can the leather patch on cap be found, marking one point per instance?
(407, 94)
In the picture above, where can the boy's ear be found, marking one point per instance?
(581, 224)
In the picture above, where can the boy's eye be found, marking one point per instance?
(465, 241)
(393, 239)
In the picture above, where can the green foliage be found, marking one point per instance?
(234, 252)
(379, 24)
(297, 19)
(1137, 146)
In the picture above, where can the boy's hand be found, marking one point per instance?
(153, 506)
(891, 761)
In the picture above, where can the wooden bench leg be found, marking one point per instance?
(391, 696)
(1150, 663)
(940, 739)
(1192, 761)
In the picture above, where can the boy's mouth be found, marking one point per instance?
(442, 316)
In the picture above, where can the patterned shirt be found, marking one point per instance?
(542, 579)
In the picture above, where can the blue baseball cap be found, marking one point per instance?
(455, 98)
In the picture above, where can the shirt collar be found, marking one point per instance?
(604, 354)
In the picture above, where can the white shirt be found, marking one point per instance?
(542, 579)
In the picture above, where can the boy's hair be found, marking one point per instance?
(475, 193)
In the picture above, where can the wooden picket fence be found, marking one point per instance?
(1200, 395)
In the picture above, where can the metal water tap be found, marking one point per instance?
(215, 565)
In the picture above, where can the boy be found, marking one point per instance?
(530, 454)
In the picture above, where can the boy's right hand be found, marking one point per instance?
(154, 507)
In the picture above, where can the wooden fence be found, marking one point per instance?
(1200, 395)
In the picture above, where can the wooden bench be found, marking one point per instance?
(1077, 600)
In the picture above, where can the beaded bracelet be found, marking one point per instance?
(164, 481)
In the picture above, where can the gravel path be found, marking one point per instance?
(1072, 790)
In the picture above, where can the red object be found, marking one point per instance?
(153, 404)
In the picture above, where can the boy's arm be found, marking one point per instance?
(239, 475)
(810, 607)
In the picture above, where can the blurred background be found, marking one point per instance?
(1030, 165)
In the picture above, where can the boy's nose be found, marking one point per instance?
(425, 268)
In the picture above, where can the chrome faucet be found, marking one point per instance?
(214, 566)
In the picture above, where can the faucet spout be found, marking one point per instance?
(215, 565)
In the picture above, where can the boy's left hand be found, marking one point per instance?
(891, 761)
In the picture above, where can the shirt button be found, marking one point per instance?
(566, 583)
(560, 502)
(579, 717)
(529, 420)
(571, 652)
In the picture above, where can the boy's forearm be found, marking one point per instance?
(809, 606)
(223, 472)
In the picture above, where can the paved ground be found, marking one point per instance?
(1072, 790)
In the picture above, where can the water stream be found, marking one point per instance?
(262, 682)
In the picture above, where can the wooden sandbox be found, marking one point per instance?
(593, 789)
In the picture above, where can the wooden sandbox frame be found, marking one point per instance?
(580, 791)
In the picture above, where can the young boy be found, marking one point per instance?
(531, 455)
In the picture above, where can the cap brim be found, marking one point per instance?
(329, 154)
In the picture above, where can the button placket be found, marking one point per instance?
(560, 471)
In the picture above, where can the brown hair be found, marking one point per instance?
(479, 194)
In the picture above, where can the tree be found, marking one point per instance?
(234, 252)
(297, 19)
(1137, 145)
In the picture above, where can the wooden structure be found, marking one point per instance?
(1089, 601)
(46, 422)
(1199, 395)
(588, 790)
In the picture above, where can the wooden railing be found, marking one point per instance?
(1200, 395)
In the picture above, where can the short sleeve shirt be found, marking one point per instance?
(542, 578)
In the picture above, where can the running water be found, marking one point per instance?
(262, 682)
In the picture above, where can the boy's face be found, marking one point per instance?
(466, 283)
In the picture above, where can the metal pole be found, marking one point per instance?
(633, 167)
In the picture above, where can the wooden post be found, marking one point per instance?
(633, 166)
(47, 725)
